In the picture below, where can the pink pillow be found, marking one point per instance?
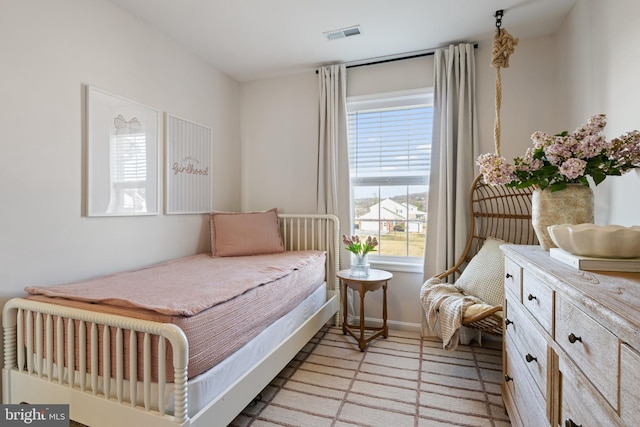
(245, 233)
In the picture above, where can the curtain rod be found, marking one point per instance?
(399, 58)
(382, 60)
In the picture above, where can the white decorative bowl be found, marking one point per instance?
(608, 241)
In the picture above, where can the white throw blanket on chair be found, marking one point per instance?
(446, 302)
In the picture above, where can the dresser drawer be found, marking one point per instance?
(526, 344)
(538, 299)
(629, 386)
(513, 279)
(579, 403)
(530, 403)
(592, 347)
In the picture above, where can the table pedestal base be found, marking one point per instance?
(376, 280)
(360, 333)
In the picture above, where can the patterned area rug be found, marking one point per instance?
(403, 380)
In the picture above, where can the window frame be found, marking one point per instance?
(383, 100)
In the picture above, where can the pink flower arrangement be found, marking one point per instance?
(561, 159)
(359, 247)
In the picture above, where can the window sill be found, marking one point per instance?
(401, 267)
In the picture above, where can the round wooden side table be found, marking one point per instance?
(375, 280)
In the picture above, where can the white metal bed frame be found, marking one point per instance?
(35, 380)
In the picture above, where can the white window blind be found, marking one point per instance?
(129, 158)
(390, 146)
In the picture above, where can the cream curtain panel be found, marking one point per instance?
(332, 136)
(333, 155)
(333, 186)
(454, 148)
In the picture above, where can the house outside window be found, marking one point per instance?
(389, 160)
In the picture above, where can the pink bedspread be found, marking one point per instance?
(185, 286)
(266, 287)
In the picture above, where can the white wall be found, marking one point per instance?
(528, 84)
(279, 135)
(49, 50)
(390, 76)
(279, 143)
(599, 71)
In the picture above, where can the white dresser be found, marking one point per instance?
(571, 352)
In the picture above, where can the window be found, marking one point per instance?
(389, 157)
(128, 168)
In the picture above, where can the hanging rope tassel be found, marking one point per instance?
(503, 46)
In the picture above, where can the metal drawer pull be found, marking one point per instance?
(508, 276)
(507, 378)
(507, 322)
(530, 358)
(531, 297)
(570, 423)
(573, 338)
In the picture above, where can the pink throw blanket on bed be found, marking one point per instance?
(185, 286)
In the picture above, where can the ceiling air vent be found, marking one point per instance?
(344, 32)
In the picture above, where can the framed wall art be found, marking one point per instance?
(188, 166)
(122, 156)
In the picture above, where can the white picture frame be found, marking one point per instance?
(122, 156)
(188, 172)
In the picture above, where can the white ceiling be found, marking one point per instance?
(253, 39)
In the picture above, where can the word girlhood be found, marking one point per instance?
(190, 169)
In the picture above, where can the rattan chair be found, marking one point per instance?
(502, 213)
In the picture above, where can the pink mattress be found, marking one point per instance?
(219, 303)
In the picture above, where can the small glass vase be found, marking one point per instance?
(360, 265)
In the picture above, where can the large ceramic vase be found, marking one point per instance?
(573, 205)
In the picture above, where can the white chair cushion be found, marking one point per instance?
(483, 276)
